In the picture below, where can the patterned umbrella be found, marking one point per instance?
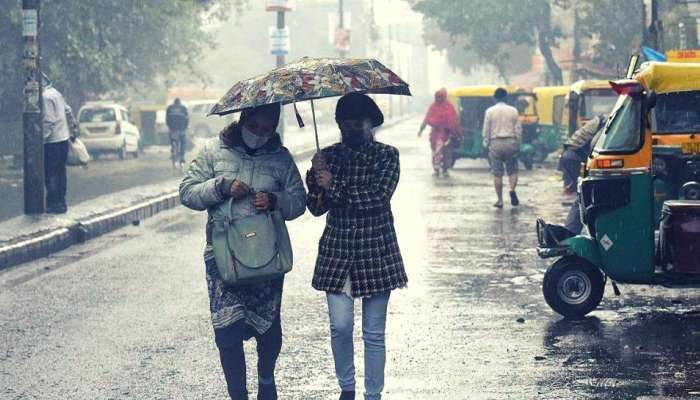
(309, 79)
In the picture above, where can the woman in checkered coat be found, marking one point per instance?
(358, 257)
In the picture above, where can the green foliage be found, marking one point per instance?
(90, 48)
(490, 28)
(612, 30)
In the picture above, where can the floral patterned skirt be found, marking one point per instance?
(258, 305)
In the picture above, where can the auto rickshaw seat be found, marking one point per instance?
(679, 237)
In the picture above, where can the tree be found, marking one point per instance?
(95, 47)
(612, 30)
(489, 27)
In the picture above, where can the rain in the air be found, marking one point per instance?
(349, 199)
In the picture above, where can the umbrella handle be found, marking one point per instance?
(313, 114)
(319, 196)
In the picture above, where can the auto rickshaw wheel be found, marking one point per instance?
(573, 287)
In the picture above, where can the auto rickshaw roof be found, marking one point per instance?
(666, 77)
(583, 85)
(546, 91)
(479, 90)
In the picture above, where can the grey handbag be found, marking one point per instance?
(251, 249)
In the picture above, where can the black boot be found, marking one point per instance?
(267, 392)
(347, 395)
(514, 199)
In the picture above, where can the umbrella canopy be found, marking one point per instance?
(309, 79)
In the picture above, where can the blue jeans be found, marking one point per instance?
(341, 312)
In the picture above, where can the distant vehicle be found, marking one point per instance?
(105, 127)
(200, 124)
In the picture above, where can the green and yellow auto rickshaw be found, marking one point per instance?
(553, 123)
(657, 113)
(472, 102)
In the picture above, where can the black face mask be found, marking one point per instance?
(355, 138)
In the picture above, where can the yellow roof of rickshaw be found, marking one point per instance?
(583, 85)
(546, 91)
(478, 90)
(666, 77)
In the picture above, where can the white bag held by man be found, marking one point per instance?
(77, 153)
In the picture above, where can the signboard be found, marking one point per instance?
(280, 5)
(688, 56)
(342, 39)
(30, 22)
(279, 41)
(333, 21)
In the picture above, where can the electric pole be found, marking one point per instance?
(33, 111)
(341, 27)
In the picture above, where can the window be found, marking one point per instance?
(97, 115)
(623, 133)
(677, 112)
(125, 115)
(596, 102)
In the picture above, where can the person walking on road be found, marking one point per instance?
(248, 164)
(444, 123)
(177, 119)
(576, 149)
(501, 141)
(353, 182)
(57, 132)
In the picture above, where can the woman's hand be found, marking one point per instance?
(324, 179)
(238, 189)
(263, 201)
(318, 162)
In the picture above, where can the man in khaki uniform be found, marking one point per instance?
(501, 138)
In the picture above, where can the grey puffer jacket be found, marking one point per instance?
(269, 169)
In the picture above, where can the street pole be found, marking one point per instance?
(341, 25)
(280, 62)
(33, 111)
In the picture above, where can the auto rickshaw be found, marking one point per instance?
(587, 99)
(655, 115)
(472, 102)
(553, 125)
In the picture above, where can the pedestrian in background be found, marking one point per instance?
(444, 127)
(248, 164)
(501, 140)
(177, 119)
(576, 149)
(353, 181)
(56, 135)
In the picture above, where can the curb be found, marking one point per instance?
(44, 243)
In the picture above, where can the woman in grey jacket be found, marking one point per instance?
(248, 164)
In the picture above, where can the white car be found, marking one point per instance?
(105, 127)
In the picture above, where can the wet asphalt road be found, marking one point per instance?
(126, 315)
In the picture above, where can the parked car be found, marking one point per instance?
(200, 124)
(105, 127)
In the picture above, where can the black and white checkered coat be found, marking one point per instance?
(359, 238)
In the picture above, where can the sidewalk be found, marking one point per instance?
(29, 237)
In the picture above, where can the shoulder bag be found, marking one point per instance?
(251, 249)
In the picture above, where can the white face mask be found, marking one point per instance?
(252, 140)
